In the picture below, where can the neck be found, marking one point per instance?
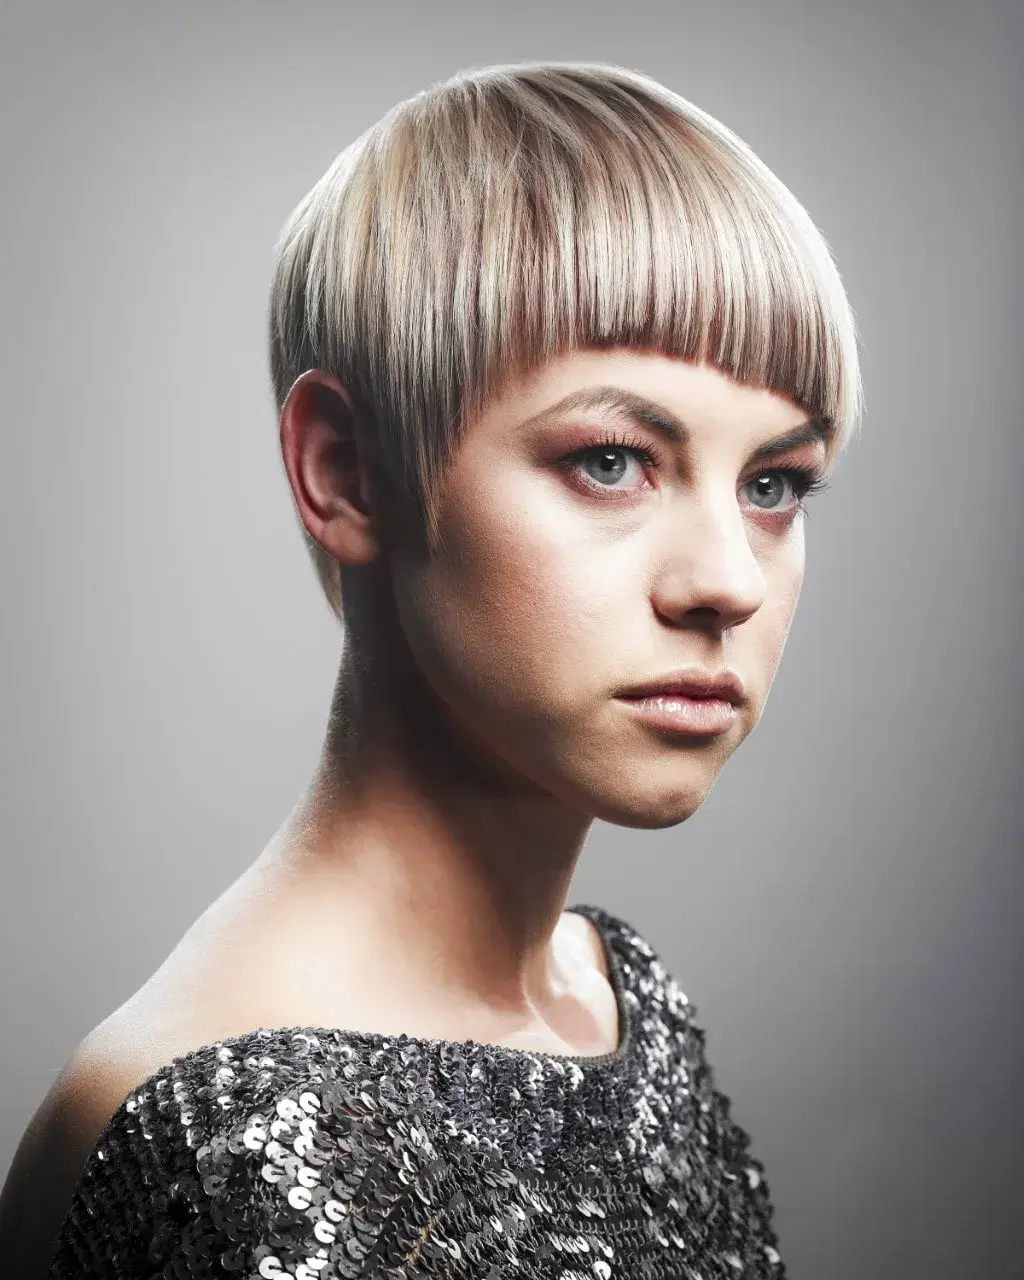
(416, 846)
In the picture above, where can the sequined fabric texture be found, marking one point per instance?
(324, 1155)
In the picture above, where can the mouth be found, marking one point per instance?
(687, 701)
(680, 713)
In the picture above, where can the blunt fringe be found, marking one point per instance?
(510, 214)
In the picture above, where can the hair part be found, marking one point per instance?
(510, 214)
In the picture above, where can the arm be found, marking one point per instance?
(50, 1158)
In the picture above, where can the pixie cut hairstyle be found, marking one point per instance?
(514, 213)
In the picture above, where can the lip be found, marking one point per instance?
(690, 683)
(675, 713)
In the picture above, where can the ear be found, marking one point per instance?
(327, 475)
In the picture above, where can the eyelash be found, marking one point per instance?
(805, 480)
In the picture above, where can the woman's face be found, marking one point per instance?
(583, 550)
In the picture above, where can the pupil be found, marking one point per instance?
(611, 464)
(766, 482)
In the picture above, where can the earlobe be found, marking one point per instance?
(327, 475)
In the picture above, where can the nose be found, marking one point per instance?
(707, 570)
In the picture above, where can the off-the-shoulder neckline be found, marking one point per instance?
(377, 1040)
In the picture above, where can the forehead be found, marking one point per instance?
(678, 399)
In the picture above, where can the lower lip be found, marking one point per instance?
(680, 714)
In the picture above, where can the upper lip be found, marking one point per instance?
(691, 682)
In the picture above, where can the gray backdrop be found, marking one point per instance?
(846, 909)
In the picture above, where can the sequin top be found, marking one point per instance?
(322, 1154)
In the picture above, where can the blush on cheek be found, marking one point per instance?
(531, 603)
(504, 559)
(510, 623)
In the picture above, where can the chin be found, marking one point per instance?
(651, 810)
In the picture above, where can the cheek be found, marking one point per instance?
(774, 619)
(517, 608)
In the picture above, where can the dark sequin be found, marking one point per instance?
(324, 1155)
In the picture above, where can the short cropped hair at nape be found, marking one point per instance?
(511, 214)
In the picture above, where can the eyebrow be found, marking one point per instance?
(667, 425)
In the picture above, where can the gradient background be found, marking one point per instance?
(847, 908)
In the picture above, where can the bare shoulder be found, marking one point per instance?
(586, 959)
(54, 1148)
(585, 943)
(213, 986)
(162, 1023)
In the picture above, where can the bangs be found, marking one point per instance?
(642, 226)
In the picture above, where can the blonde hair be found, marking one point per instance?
(512, 213)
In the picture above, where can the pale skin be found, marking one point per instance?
(419, 885)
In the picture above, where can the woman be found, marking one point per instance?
(558, 363)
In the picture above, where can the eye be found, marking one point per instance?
(765, 489)
(608, 466)
(612, 464)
